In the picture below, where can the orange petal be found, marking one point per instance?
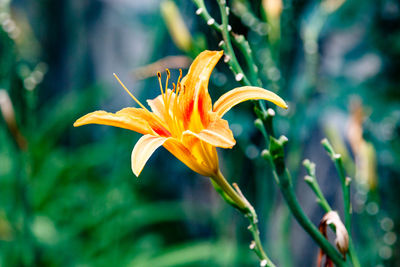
(142, 151)
(157, 105)
(216, 134)
(176, 148)
(131, 121)
(241, 94)
(195, 83)
(155, 122)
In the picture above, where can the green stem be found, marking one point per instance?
(238, 40)
(337, 159)
(227, 39)
(241, 203)
(226, 188)
(287, 190)
(345, 182)
(311, 180)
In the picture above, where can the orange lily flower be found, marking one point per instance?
(183, 119)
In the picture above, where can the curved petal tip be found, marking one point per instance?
(241, 94)
(142, 151)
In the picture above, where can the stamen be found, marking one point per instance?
(161, 88)
(131, 95)
(175, 108)
(168, 99)
(168, 76)
(178, 89)
(174, 89)
(180, 75)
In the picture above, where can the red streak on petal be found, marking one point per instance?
(187, 113)
(161, 130)
(202, 110)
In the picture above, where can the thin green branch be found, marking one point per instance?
(237, 39)
(311, 180)
(240, 42)
(275, 156)
(345, 181)
(227, 39)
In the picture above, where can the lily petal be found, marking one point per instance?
(241, 94)
(155, 122)
(195, 93)
(142, 151)
(216, 134)
(176, 148)
(157, 105)
(132, 121)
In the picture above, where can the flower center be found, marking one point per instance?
(170, 99)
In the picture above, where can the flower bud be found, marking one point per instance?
(176, 26)
(331, 6)
(273, 8)
(7, 111)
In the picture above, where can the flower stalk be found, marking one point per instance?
(234, 196)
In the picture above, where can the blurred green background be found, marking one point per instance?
(68, 196)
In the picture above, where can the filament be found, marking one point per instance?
(131, 95)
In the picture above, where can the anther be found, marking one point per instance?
(168, 73)
(160, 83)
(180, 74)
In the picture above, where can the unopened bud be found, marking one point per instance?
(252, 245)
(239, 77)
(259, 124)
(283, 140)
(265, 154)
(331, 6)
(176, 25)
(273, 8)
(7, 111)
(210, 21)
(271, 112)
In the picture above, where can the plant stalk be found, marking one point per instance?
(241, 203)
